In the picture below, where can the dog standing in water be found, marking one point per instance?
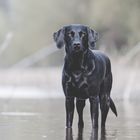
(86, 74)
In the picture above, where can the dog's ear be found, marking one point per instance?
(93, 36)
(59, 38)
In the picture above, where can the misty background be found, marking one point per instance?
(30, 63)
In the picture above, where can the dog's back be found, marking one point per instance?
(104, 60)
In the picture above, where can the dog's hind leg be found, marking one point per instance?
(80, 104)
(104, 105)
(105, 98)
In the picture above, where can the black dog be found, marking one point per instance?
(86, 74)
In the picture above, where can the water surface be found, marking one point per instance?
(44, 119)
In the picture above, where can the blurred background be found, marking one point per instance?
(29, 59)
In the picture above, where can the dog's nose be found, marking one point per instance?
(76, 46)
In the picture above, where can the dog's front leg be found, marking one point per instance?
(80, 104)
(94, 110)
(69, 104)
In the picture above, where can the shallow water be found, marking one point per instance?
(27, 119)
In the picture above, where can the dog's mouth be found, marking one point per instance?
(77, 54)
(76, 48)
(77, 51)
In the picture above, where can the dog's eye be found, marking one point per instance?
(82, 34)
(70, 34)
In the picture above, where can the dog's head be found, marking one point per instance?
(76, 38)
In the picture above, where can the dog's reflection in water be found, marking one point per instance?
(69, 135)
(94, 134)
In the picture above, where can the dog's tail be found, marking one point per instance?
(113, 108)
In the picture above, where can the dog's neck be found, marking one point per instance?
(77, 61)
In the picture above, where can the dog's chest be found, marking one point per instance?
(80, 78)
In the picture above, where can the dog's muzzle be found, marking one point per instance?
(77, 47)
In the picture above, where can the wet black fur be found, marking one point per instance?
(86, 74)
